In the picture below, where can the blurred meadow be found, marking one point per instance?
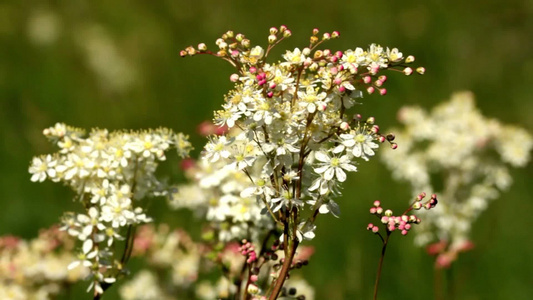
(116, 65)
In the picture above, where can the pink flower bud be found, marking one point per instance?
(405, 232)
(253, 278)
(408, 71)
(373, 210)
(377, 203)
(367, 79)
(342, 89)
(383, 92)
(270, 94)
(370, 89)
(344, 126)
(234, 77)
(382, 139)
(375, 229)
(253, 70)
(335, 34)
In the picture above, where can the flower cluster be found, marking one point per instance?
(296, 138)
(225, 197)
(404, 221)
(37, 268)
(467, 151)
(109, 172)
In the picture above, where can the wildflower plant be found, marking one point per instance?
(293, 132)
(456, 147)
(110, 173)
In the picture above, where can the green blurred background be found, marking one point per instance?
(116, 64)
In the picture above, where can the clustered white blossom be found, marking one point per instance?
(37, 268)
(110, 172)
(296, 137)
(469, 154)
(224, 196)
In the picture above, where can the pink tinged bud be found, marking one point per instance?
(235, 53)
(385, 219)
(254, 278)
(391, 227)
(183, 53)
(375, 129)
(408, 71)
(421, 196)
(327, 52)
(370, 90)
(367, 79)
(373, 210)
(339, 54)
(342, 89)
(273, 30)
(371, 120)
(421, 70)
(412, 218)
(234, 77)
(326, 36)
(315, 31)
(407, 226)
(401, 227)
(261, 82)
(394, 146)
(383, 92)
(272, 86)
(370, 226)
(379, 210)
(270, 94)
(321, 107)
(433, 196)
(272, 38)
(465, 246)
(334, 59)
(375, 229)
(397, 220)
(410, 59)
(287, 33)
(405, 218)
(377, 203)
(344, 126)
(378, 83)
(382, 139)
(335, 34)
(383, 78)
(282, 28)
(253, 70)
(374, 70)
(405, 232)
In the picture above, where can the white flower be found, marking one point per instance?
(42, 167)
(334, 166)
(359, 144)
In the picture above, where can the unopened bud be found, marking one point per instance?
(377, 203)
(245, 43)
(202, 47)
(326, 36)
(313, 39)
(409, 59)
(239, 37)
(388, 213)
(273, 30)
(371, 120)
(394, 146)
(306, 51)
(421, 70)
(230, 34)
(335, 34)
(383, 92)
(345, 126)
(417, 205)
(370, 89)
(315, 31)
(287, 33)
(408, 71)
(234, 77)
(272, 38)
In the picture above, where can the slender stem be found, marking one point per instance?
(380, 265)
(291, 243)
(437, 284)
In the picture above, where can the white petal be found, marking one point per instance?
(328, 175)
(321, 156)
(341, 176)
(87, 246)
